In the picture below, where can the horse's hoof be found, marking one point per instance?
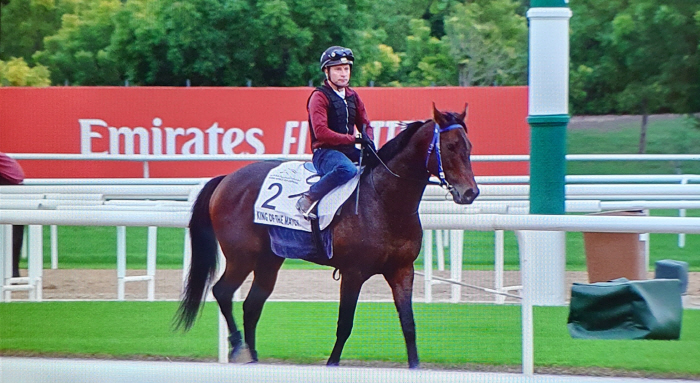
(240, 354)
(253, 356)
(332, 364)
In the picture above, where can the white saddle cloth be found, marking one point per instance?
(276, 203)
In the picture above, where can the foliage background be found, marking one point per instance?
(627, 56)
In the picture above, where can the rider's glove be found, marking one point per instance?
(364, 140)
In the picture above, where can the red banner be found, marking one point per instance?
(178, 121)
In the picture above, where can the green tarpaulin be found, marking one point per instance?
(623, 309)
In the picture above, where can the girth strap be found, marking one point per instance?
(316, 231)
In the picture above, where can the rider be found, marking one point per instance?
(334, 112)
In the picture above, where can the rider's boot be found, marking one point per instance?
(305, 205)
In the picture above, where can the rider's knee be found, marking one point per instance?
(346, 172)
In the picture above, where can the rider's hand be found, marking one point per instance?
(364, 140)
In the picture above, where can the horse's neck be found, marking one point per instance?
(404, 193)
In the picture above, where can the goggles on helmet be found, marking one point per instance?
(340, 53)
(337, 56)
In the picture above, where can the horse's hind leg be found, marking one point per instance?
(223, 291)
(263, 284)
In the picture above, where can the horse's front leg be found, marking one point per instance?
(350, 286)
(401, 283)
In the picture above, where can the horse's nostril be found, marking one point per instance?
(471, 194)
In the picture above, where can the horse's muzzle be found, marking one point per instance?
(466, 197)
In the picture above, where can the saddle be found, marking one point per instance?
(284, 185)
(292, 235)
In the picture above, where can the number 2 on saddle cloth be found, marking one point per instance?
(291, 235)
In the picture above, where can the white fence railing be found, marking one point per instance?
(175, 196)
(145, 158)
(484, 222)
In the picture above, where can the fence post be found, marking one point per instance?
(5, 260)
(548, 116)
(498, 265)
(151, 254)
(456, 250)
(428, 265)
(35, 262)
(121, 261)
(54, 247)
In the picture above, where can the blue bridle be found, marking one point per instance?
(435, 144)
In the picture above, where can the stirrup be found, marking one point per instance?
(305, 206)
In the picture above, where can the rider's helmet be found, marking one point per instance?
(336, 55)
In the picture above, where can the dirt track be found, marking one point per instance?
(291, 285)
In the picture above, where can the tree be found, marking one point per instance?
(375, 63)
(592, 73)
(648, 30)
(216, 42)
(427, 60)
(643, 60)
(25, 23)
(79, 52)
(16, 72)
(628, 56)
(139, 41)
(393, 18)
(488, 40)
(191, 40)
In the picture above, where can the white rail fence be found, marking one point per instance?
(72, 199)
(99, 209)
(431, 220)
(163, 195)
(85, 202)
(481, 222)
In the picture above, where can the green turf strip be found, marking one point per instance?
(448, 334)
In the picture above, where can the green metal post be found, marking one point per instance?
(548, 104)
(547, 163)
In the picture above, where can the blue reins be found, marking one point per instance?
(435, 144)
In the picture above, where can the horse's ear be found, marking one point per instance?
(437, 116)
(463, 116)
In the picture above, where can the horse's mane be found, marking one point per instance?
(395, 145)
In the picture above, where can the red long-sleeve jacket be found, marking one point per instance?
(318, 107)
(10, 171)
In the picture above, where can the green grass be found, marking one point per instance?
(671, 136)
(451, 335)
(95, 247)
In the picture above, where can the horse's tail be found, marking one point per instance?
(204, 257)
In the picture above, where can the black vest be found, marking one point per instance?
(341, 119)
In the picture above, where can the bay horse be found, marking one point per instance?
(384, 237)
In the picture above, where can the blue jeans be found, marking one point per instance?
(335, 169)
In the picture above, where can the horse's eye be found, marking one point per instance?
(451, 147)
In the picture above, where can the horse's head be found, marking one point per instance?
(454, 154)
